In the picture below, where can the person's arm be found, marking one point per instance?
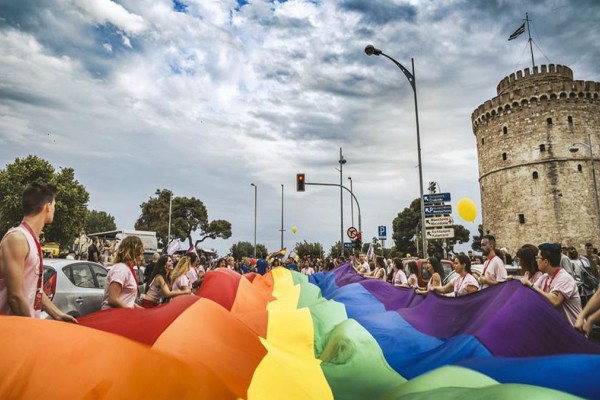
(472, 289)
(54, 312)
(436, 281)
(114, 290)
(170, 293)
(447, 288)
(14, 251)
(589, 315)
(555, 298)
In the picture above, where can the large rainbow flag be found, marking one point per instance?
(285, 336)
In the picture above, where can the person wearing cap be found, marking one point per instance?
(556, 285)
(494, 270)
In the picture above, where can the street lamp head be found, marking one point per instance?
(349, 178)
(573, 149)
(342, 160)
(372, 50)
(252, 184)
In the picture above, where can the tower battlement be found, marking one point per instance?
(546, 73)
(549, 83)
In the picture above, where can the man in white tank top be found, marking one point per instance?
(21, 269)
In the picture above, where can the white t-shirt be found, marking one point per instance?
(399, 278)
(460, 284)
(181, 282)
(495, 269)
(121, 274)
(563, 283)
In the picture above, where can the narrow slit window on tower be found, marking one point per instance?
(504, 156)
(482, 141)
(570, 121)
(505, 130)
(549, 121)
(535, 175)
(542, 147)
(579, 168)
(521, 218)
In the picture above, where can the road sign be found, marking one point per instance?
(430, 211)
(352, 232)
(348, 245)
(439, 233)
(382, 232)
(439, 221)
(436, 198)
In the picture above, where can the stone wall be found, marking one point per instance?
(533, 189)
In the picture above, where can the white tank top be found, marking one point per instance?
(30, 275)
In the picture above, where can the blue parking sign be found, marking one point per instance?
(382, 232)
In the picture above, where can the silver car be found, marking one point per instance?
(75, 287)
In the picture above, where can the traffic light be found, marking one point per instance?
(300, 182)
(358, 241)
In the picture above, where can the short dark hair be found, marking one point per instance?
(36, 196)
(551, 252)
(491, 239)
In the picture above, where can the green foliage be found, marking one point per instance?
(476, 244)
(242, 249)
(314, 250)
(405, 226)
(99, 221)
(188, 215)
(71, 198)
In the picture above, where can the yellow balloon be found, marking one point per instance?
(466, 209)
(294, 229)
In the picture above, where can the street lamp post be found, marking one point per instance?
(371, 50)
(342, 162)
(255, 198)
(351, 202)
(282, 216)
(574, 149)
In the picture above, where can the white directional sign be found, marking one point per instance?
(440, 233)
(439, 221)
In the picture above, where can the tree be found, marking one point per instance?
(71, 198)
(314, 250)
(99, 221)
(243, 249)
(188, 215)
(407, 228)
(476, 245)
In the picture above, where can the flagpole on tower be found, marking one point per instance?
(529, 33)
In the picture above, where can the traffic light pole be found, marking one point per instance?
(349, 191)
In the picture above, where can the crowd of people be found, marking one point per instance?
(566, 279)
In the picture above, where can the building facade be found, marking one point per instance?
(534, 188)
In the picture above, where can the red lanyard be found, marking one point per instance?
(37, 305)
(132, 272)
(549, 281)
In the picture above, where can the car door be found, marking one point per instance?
(86, 295)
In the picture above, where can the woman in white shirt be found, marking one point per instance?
(464, 283)
(398, 277)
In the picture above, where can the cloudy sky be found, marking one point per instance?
(204, 97)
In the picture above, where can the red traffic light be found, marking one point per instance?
(300, 183)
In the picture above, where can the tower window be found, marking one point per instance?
(579, 168)
(535, 175)
(549, 121)
(504, 156)
(521, 218)
(505, 130)
(570, 121)
(542, 147)
(482, 141)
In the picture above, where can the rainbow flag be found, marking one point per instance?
(283, 336)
